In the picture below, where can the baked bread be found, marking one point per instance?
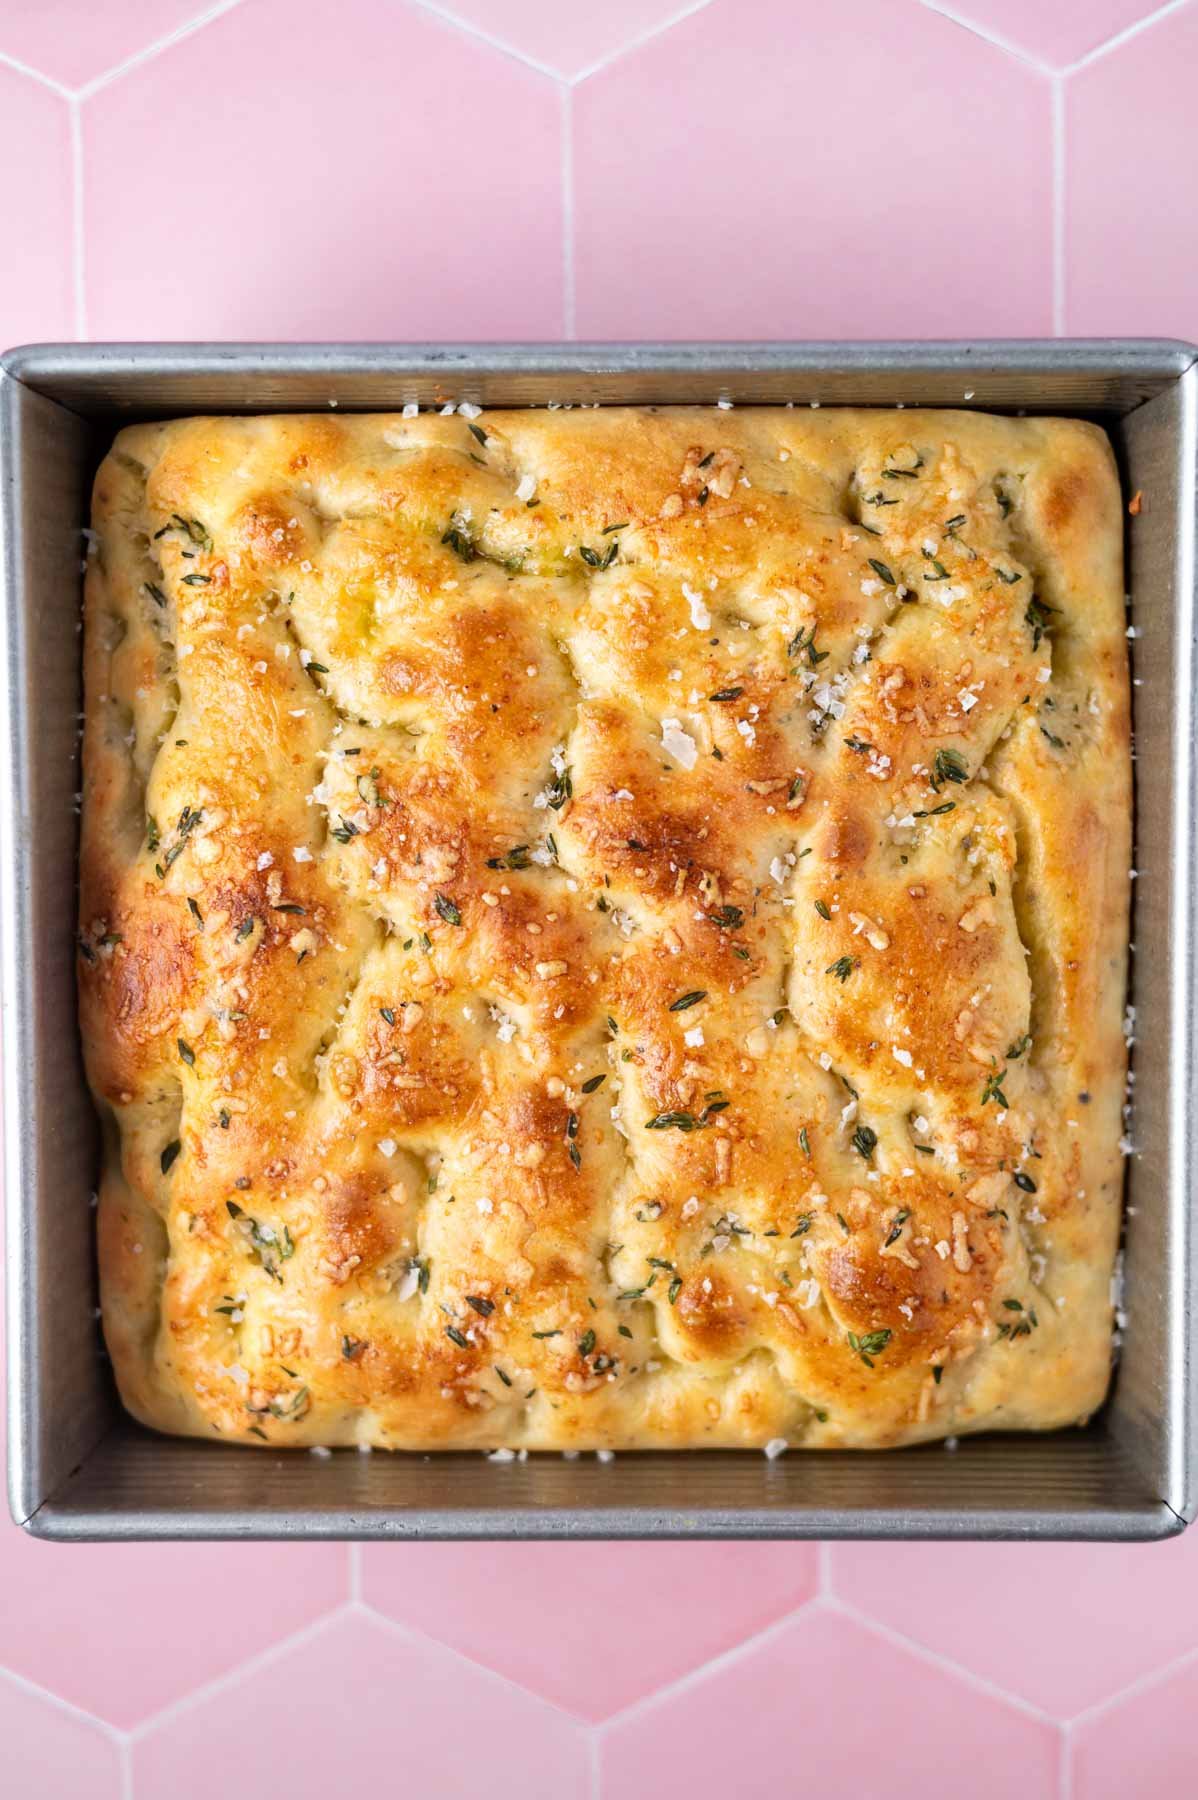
(607, 928)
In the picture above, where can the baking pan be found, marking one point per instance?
(81, 1469)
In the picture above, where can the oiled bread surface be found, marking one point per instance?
(607, 927)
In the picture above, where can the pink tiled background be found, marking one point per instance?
(630, 168)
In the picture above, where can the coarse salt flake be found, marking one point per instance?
(678, 744)
(700, 617)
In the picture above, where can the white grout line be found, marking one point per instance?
(593, 1765)
(828, 1602)
(21, 68)
(1058, 205)
(1122, 37)
(80, 1713)
(1143, 1684)
(1026, 56)
(417, 1639)
(714, 1665)
(1065, 1766)
(980, 1683)
(569, 308)
(994, 38)
(233, 1677)
(138, 57)
(641, 37)
(77, 233)
(724, 1659)
(469, 29)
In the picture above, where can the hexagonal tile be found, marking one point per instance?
(92, 1624)
(1062, 1625)
(564, 38)
(391, 178)
(746, 175)
(590, 1626)
(359, 1707)
(1141, 1745)
(74, 44)
(51, 1754)
(1131, 253)
(35, 139)
(842, 1712)
(1058, 33)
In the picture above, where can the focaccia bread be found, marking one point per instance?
(607, 928)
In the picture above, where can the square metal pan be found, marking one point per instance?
(80, 1469)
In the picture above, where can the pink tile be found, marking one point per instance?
(391, 178)
(592, 1627)
(825, 1707)
(51, 1754)
(757, 169)
(1131, 250)
(730, 184)
(1146, 1745)
(566, 38)
(1057, 33)
(35, 150)
(1062, 1625)
(122, 1629)
(355, 1710)
(74, 43)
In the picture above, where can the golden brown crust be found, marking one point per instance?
(607, 928)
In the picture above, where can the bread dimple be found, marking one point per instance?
(607, 928)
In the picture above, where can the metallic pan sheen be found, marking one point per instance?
(79, 1469)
